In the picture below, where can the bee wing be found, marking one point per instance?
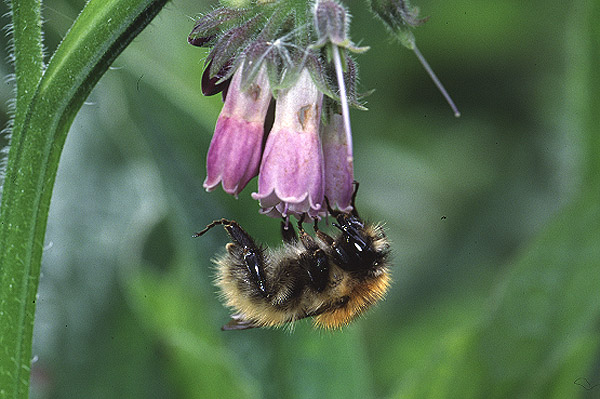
(238, 322)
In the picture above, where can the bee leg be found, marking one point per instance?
(301, 230)
(244, 247)
(314, 260)
(237, 322)
(327, 239)
(213, 224)
(251, 254)
(335, 213)
(287, 231)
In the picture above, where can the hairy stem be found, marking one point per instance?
(42, 120)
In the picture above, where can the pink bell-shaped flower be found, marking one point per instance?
(235, 150)
(339, 169)
(291, 177)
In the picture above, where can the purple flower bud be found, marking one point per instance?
(339, 169)
(210, 85)
(235, 150)
(291, 173)
(330, 21)
(210, 26)
(200, 41)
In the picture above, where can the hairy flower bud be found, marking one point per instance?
(331, 23)
(214, 85)
(209, 26)
(398, 16)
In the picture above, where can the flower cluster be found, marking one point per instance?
(292, 58)
(260, 56)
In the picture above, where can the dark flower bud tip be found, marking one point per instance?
(201, 41)
(211, 85)
(208, 27)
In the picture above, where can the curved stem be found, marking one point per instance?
(100, 33)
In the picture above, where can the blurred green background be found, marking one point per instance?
(494, 219)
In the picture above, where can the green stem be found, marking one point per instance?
(337, 62)
(27, 52)
(100, 33)
(436, 80)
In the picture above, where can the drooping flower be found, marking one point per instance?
(299, 63)
(291, 177)
(331, 22)
(338, 162)
(274, 45)
(235, 150)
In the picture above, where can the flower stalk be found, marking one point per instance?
(436, 81)
(400, 17)
(337, 62)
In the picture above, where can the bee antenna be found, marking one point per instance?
(354, 212)
(213, 224)
(331, 211)
(353, 200)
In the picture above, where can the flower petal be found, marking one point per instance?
(234, 154)
(339, 168)
(291, 173)
(235, 150)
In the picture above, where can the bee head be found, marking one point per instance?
(354, 249)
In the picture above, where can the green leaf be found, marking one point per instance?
(540, 337)
(43, 116)
(547, 309)
(327, 364)
(540, 331)
(201, 365)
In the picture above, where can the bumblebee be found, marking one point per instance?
(331, 280)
